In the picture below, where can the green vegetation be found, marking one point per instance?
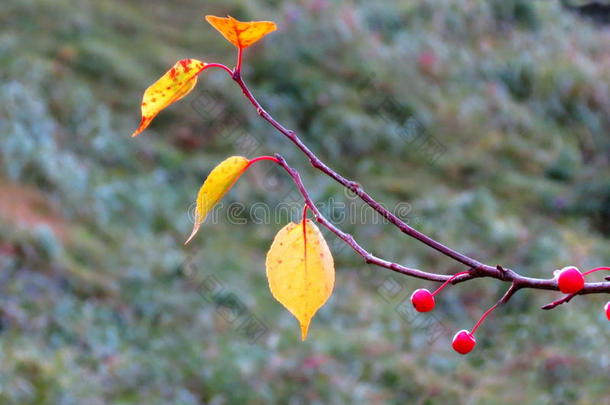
(100, 302)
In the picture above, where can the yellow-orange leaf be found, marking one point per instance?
(239, 33)
(171, 87)
(300, 271)
(218, 182)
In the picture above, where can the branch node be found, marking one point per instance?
(353, 186)
(505, 274)
(315, 163)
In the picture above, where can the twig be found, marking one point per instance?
(517, 281)
(476, 268)
(562, 300)
(358, 189)
(507, 295)
(349, 239)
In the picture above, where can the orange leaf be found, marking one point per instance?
(215, 186)
(239, 33)
(300, 271)
(171, 87)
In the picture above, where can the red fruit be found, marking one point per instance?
(570, 280)
(463, 342)
(607, 308)
(422, 300)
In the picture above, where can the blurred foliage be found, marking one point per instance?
(100, 302)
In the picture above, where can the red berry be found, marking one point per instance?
(463, 342)
(570, 280)
(607, 308)
(422, 300)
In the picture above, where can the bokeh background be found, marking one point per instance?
(100, 302)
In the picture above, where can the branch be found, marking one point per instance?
(477, 268)
(517, 281)
(349, 239)
(358, 189)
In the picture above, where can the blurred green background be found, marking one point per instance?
(100, 302)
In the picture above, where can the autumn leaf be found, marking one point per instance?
(239, 33)
(300, 271)
(171, 87)
(215, 186)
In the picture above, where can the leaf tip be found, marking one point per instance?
(304, 330)
(143, 124)
(193, 233)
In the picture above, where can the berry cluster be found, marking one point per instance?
(569, 281)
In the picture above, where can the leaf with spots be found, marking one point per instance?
(239, 33)
(171, 87)
(300, 271)
(216, 185)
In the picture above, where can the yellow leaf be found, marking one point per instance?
(218, 182)
(300, 271)
(171, 87)
(239, 33)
